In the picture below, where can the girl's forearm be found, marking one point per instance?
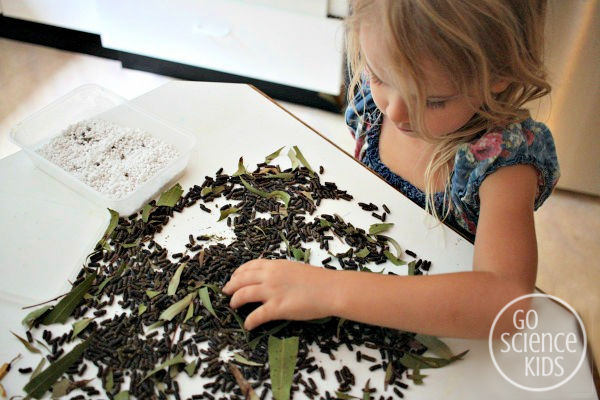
(460, 304)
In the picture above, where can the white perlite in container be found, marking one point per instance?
(112, 159)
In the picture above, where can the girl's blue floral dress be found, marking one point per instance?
(527, 142)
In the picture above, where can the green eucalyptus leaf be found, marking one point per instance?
(174, 283)
(80, 326)
(339, 326)
(155, 325)
(301, 158)
(142, 308)
(411, 268)
(376, 229)
(124, 395)
(395, 244)
(389, 376)
(27, 345)
(191, 368)
(254, 190)
(110, 382)
(393, 259)
(416, 377)
(178, 359)
(297, 253)
(435, 345)
(273, 155)
(345, 396)
(152, 293)
(146, 210)
(190, 313)
(324, 223)
(417, 362)
(176, 308)
(242, 360)
(366, 391)
(38, 369)
(132, 244)
(62, 311)
(114, 220)
(292, 155)
(280, 175)
(362, 253)
(254, 342)
(205, 299)
(241, 169)
(170, 197)
(306, 256)
(225, 213)
(282, 363)
(40, 384)
(281, 195)
(30, 318)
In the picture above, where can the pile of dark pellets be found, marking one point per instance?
(123, 345)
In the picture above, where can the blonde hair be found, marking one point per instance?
(478, 42)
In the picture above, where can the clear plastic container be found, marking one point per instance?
(92, 101)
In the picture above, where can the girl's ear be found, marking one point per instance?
(499, 86)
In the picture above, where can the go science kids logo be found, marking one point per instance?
(547, 346)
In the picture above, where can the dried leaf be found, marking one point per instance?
(190, 313)
(339, 326)
(273, 155)
(416, 377)
(174, 283)
(110, 382)
(155, 325)
(247, 390)
(27, 345)
(38, 385)
(225, 213)
(30, 318)
(205, 299)
(394, 260)
(280, 175)
(142, 309)
(366, 391)
(191, 368)
(170, 197)
(61, 388)
(324, 223)
(293, 159)
(152, 293)
(414, 361)
(345, 396)
(282, 362)
(114, 220)
(389, 376)
(178, 359)
(62, 311)
(38, 369)
(301, 158)
(376, 229)
(241, 169)
(132, 244)
(435, 345)
(146, 210)
(176, 308)
(411, 268)
(242, 360)
(362, 253)
(80, 326)
(124, 395)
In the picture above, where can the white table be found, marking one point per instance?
(46, 230)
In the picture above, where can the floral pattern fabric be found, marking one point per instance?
(528, 142)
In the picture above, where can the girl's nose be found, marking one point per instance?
(397, 110)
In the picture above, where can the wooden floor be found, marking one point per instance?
(568, 225)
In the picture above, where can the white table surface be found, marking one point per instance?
(46, 230)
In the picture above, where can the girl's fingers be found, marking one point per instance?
(243, 278)
(250, 265)
(247, 294)
(258, 317)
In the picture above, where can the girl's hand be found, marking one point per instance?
(287, 289)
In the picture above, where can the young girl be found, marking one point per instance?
(437, 108)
